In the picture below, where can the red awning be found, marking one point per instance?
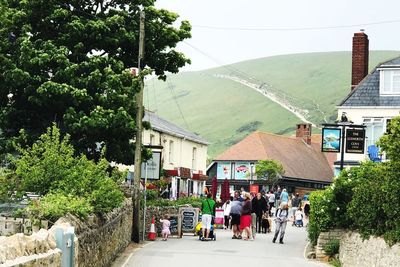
(199, 177)
(171, 172)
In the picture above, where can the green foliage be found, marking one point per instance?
(161, 202)
(270, 170)
(50, 169)
(335, 262)
(68, 62)
(55, 205)
(390, 141)
(332, 247)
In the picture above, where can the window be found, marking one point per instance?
(376, 127)
(389, 82)
(151, 139)
(171, 152)
(194, 158)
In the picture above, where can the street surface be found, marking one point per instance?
(189, 251)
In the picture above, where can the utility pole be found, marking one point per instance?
(138, 143)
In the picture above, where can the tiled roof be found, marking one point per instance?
(366, 93)
(298, 159)
(159, 124)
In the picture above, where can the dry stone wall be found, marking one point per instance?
(323, 239)
(373, 252)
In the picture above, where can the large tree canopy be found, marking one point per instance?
(67, 62)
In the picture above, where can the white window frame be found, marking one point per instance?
(171, 152)
(194, 158)
(369, 121)
(152, 137)
(392, 72)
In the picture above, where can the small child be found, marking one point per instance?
(165, 232)
(299, 217)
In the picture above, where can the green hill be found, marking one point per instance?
(224, 111)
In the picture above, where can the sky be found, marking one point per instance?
(211, 46)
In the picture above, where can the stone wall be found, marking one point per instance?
(323, 239)
(373, 252)
(101, 239)
(158, 213)
(52, 258)
(10, 226)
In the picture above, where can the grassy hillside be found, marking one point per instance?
(224, 111)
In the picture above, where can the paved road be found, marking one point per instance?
(189, 251)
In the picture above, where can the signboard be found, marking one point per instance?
(242, 170)
(224, 170)
(151, 168)
(189, 218)
(355, 141)
(219, 217)
(331, 140)
(174, 225)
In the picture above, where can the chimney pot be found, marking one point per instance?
(359, 58)
(303, 131)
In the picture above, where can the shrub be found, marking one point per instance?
(332, 247)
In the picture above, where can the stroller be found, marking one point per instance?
(199, 232)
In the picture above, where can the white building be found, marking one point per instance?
(183, 155)
(374, 99)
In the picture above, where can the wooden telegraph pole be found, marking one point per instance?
(138, 143)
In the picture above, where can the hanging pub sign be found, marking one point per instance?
(331, 140)
(151, 168)
(355, 141)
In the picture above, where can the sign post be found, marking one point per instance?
(336, 136)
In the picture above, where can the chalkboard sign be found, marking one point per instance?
(189, 219)
(174, 225)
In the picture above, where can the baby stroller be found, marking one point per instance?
(211, 235)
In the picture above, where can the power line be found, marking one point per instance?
(171, 87)
(223, 28)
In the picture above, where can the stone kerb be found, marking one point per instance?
(373, 252)
(323, 239)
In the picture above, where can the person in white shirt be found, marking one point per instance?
(271, 201)
(299, 217)
(227, 210)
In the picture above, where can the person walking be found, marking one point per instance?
(284, 197)
(296, 201)
(236, 208)
(227, 211)
(259, 207)
(277, 199)
(281, 222)
(208, 211)
(245, 218)
(271, 202)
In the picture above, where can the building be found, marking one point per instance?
(306, 167)
(183, 155)
(374, 98)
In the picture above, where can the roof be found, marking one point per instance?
(366, 93)
(159, 124)
(298, 159)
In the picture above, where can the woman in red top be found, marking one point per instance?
(245, 218)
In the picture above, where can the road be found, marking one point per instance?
(189, 251)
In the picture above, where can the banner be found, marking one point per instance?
(331, 140)
(242, 170)
(224, 170)
(355, 141)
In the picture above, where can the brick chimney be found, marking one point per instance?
(359, 66)
(303, 131)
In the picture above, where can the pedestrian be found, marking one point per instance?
(299, 217)
(227, 211)
(165, 232)
(281, 222)
(277, 199)
(245, 218)
(284, 197)
(271, 201)
(236, 207)
(208, 211)
(296, 201)
(259, 207)
(306, 211)
(266, 223)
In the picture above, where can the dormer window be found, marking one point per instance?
(389, 82)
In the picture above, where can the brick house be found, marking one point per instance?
(306, 167)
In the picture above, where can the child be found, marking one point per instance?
(165, 232)
(299, 218)
(265, 223)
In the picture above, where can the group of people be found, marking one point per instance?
(248, 214)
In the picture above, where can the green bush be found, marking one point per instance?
(332, 247)
(50, 169)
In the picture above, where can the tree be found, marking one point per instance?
(68, 62)
(269, 170)
(390, 141)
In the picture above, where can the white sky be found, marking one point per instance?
(226, 46)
